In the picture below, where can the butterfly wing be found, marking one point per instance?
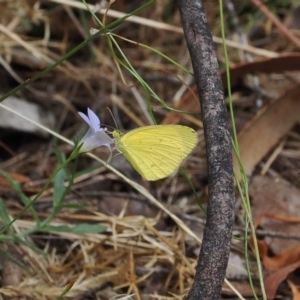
(157, 151)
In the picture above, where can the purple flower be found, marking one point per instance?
(96, 136)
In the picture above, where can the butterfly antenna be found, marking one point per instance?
(113, 117)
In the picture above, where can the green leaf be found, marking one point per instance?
(4, 217)
(79, 229)
(60, 228)
(59, 188)
(84, 228)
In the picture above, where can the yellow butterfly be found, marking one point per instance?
(156, 151)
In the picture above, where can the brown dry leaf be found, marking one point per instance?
(295, 291)
(188, 102)
(284, 263)
(280, 64)
(273, 281)
(15, 176)
(279, 261)
(283, 63)
(276, 197)
(266, 129)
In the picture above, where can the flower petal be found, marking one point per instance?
(84, 117)
(94, 120)
(104, 138)
(93, 140)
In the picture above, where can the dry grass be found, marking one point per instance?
(149, 247)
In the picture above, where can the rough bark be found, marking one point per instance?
(213, 257)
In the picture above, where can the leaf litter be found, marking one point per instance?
(121, 242)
